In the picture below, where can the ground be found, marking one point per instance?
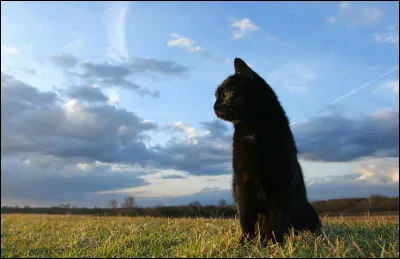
(92, 236)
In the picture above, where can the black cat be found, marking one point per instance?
(268, 184)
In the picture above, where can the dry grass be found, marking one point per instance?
(91, 236)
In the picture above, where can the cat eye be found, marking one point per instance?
(222, 93)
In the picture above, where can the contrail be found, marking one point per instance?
(364, 85)
(115, 19)
(358, 88)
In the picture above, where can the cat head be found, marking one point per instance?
(239, 97)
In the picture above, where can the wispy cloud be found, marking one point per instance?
(242, 28)
(367, 178)
(174, 183)
(388, 37)
(380, 171)
(115, 21)
(392, 85)
(356, 13)
(113, 96)
(186, 43)
(108, 75)
(332, 19)
(22, 71)
(9, 49)
(294, 75)
(190, 45)
(189, 130)
(74, 45)
(64, 60)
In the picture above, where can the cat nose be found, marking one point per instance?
(216, 106)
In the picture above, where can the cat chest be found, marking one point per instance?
(246, 157)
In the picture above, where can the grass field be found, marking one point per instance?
(91, 236)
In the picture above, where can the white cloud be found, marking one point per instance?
(383, 171)
(388, 37)
(383, 114)
(370, 16)
(9, 49)
(344, 5)
(356, 13)
(186, 43)
(242, 28)
(160, 187)
(366, 177)
(393, 85)
(189, 130)
(190, 45)
(245, 25)
(113, 96)
(115, 22)
(74, 45)
(332, 19)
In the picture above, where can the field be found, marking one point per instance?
(92, 236)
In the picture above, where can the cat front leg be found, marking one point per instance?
(247, 209)
(277, 225)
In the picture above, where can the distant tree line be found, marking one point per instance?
(375, 204)
(128, 203)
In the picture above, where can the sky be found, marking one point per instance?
(101, 100)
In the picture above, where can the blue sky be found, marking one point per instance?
(142, 76)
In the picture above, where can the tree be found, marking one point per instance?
(64, 206)
(129, 202)
(377, 196)
(195, 204)
(113, 204)
(222, 203)
(159, 205)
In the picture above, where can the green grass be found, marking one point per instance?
(91, 236)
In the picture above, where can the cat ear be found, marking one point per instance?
(242, 68)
